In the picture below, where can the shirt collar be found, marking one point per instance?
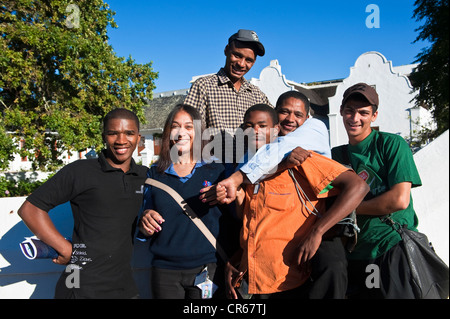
(106, 167)
(224, 79)
(171, 171)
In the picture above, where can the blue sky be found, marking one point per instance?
(312, 40)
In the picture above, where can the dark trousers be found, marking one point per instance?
(387, 277)
(179, 284)
(329, 271)
(296, 293)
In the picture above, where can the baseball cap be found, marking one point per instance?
(248, 36)
(365, 90)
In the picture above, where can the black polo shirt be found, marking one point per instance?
(105, 203)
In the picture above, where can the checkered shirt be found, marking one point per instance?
(220, 105)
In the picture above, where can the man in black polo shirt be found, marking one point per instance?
(105, 195)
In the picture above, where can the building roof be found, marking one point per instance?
(158, 109)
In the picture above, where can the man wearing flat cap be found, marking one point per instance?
(223, 98)
(385, 162)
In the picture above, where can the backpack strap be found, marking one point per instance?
(345, 158)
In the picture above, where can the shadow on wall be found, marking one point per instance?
(36, 279)
(42, 274)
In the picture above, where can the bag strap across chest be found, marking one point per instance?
(191, 214)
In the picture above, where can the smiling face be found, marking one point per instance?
(260, 129)
(121, 137)
(182, 133)
(291, 115)
(358, 115)
(240, 59)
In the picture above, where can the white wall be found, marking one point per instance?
(21, 278)
(148, 153)
(397, 112)
(272, 82)
(431, 200)
(394, 91)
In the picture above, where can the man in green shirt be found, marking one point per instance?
(385, 162)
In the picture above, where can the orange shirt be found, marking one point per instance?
(275, 220)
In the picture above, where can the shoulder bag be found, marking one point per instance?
(429, 274)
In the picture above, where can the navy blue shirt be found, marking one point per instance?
(180, 244)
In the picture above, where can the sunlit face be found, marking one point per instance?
(121, 137)
(239, 60)
(358, 115)
(291, 115)
(260, 129)
(182, 133)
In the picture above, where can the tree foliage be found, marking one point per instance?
(59, 77)
(431, 77)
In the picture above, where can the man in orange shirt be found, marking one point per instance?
(281, 231)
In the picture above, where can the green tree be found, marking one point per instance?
(431, 77)
(59, 77)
